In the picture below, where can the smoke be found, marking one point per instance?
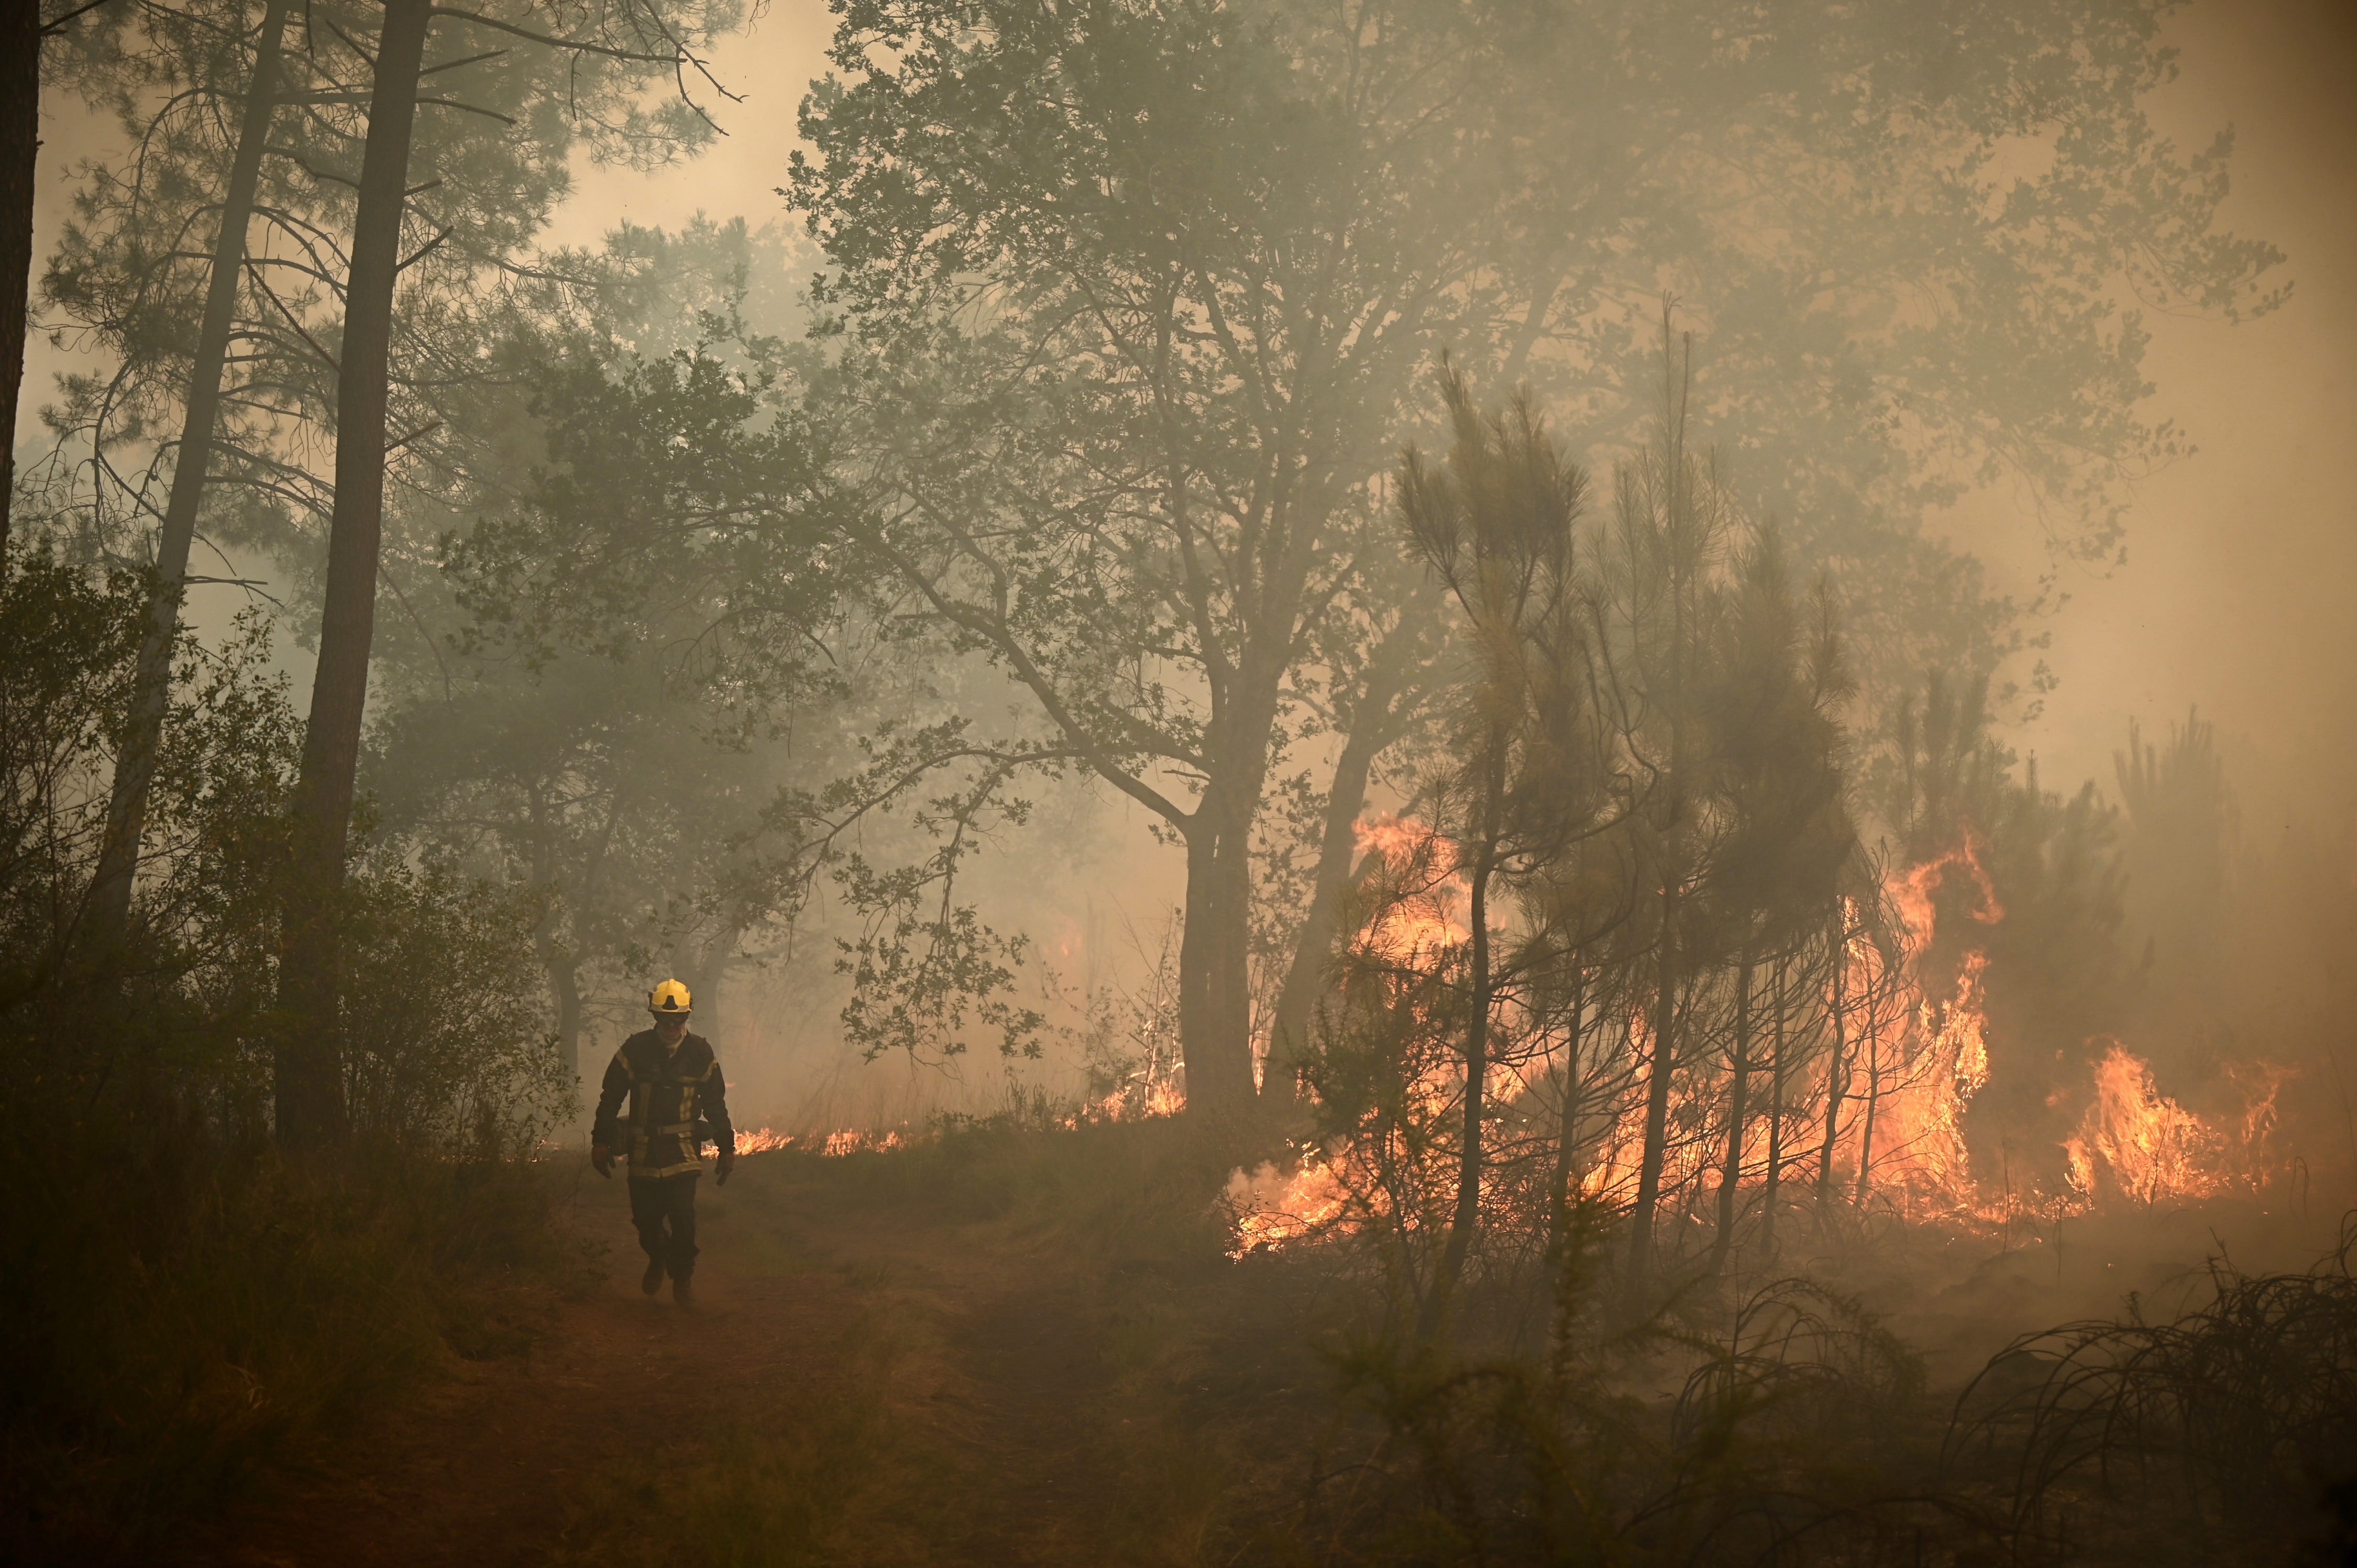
(2233, 593)
(2232, 596)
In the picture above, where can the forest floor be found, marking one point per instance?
(865, 1379)
(1002, 1352)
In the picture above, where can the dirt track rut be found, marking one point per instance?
(491, 1465)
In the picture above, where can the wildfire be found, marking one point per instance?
(1139, 1099)
(1919, 1139)
(1397, 838)
(1903, 1048)
(835, 1146)
(1270, 1210)
(1429, 921)
(1912, 891)
(2133, 1142)
(2139, 1143)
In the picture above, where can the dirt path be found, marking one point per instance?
(994, 1374)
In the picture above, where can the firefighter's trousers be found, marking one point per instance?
(664, 1208)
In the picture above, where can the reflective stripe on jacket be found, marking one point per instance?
(668, 1092)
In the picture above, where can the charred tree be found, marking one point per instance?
(1873, 1099)
(1214, 990)
(1376, 719)
(1666, 509)
(1567, 1144)
(1738, 1108)
(1660, 1069)
(1466, 1214)
(1494, 526)
(1837, 1064)
(1771, 1185)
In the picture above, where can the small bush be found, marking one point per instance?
(1794, 1439)
(185, 1308)
(2229, 1432)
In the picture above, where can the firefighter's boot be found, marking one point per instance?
(651, 1281)
(682, 1291)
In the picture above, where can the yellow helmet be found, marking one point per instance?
(671, 996)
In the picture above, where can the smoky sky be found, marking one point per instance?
(2238, 593)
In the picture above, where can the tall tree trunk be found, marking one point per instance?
(1772, 1191)
(1837, 1066)
(134, 767)
(561, 963)
(1681, 551)
(1305, 979)
(20, 151)
(708, 972)
(1467, 1217)
(1567, 1144)
(1739, 1107)
(310, 1068)
(1657, 1092)
(1214, 975)
(565, 983)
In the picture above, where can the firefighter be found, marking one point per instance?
(676, 1094)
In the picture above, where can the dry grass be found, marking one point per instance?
(184, 1317)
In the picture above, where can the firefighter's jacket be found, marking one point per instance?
(669, 1091)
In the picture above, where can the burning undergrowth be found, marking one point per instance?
(1875, 1063)
(1825, 1107)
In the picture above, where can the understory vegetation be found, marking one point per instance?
(190, 1307)
(1270, 1409)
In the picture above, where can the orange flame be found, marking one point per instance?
(1269, 1210)
(1916, 1048)
(1427, 921)
(836, 1144)
(2139, 1143)
(1912, 890)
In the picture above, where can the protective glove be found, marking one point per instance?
(602, 1159)
(723, 1165)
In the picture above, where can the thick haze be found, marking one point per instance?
(2235, 594)
(2234, 597)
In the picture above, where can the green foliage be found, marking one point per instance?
(508, 105)
(664, 640)
(639, 639)
(187, 1308)
(1121, 377)
(71, 640)
(679, 512)
(1920, 241)
(446, 1048)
